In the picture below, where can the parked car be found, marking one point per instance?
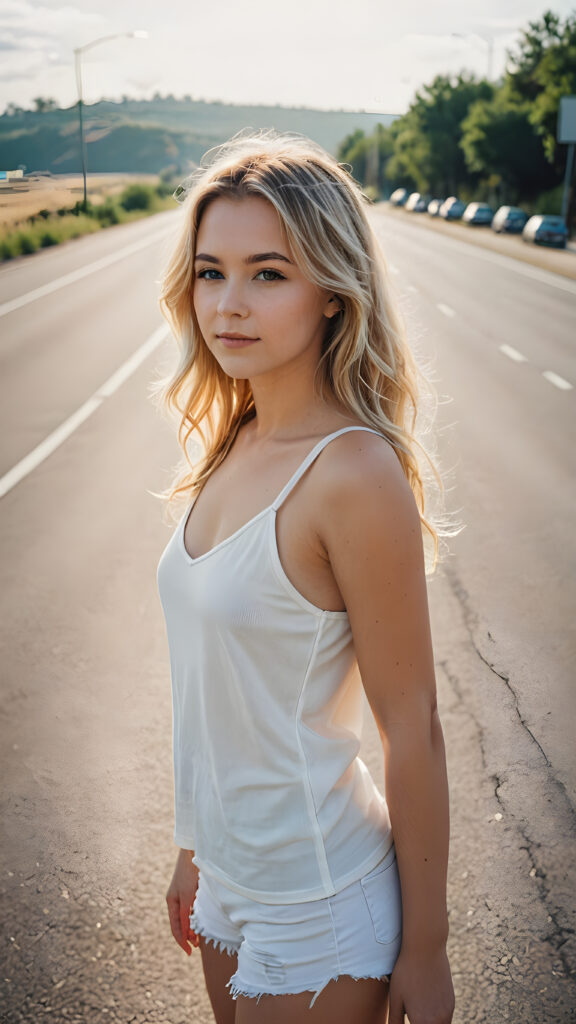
(452, 208)
(399, 196)
(416, 203)
(509, 218)
(434, 207)
(478, 213)
(546, 230)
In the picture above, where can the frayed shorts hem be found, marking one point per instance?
(230, 948)
(237, 989)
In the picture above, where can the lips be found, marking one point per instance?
(236, 337)
(236, 340)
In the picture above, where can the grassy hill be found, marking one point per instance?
(147, 136)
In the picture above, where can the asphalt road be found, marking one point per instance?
(85, 712)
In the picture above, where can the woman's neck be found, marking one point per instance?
(288, 407)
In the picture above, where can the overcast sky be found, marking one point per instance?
(361, 54)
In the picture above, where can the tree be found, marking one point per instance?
(502, 146)
(42, 105)
(426, 139)
(543, 70)
(368, 156)
(525, 61)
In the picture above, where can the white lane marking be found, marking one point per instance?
(445, 309)
(77, 275)
(58, 436)
(557, 381)
(513, 353)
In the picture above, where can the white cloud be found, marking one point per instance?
(325, 53)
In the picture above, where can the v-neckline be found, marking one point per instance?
(273, 506)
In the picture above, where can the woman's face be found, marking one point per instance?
(257, 312)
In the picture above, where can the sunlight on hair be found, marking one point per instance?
(366, 361)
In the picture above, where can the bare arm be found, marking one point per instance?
(373, 540)
(180, 900)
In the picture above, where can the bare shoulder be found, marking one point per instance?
(362, 480)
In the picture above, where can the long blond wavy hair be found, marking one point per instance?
(366, 363)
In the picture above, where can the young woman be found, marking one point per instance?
(294, 584)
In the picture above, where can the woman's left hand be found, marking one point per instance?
(421, 988)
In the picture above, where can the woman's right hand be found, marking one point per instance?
(180, 899)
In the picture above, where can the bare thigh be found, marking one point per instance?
(345, 1000)
(218, 969)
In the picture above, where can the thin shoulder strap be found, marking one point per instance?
(310, 459)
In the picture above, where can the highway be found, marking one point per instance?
(86, 721)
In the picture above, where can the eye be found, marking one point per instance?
(271, 275)
(206, 274)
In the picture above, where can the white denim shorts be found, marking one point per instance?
(290, 948)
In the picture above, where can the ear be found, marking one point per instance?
(332, 307)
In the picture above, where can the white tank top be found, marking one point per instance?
(267, 714)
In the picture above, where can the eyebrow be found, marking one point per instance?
(259, 257)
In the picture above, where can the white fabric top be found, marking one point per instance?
(267, 714)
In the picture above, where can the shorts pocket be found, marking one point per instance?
(381, 888)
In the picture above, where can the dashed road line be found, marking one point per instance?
(64, 431)
(77, 275)
(513, 353)
(557, 381)
(447, 310)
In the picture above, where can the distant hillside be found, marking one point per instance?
(148, 135)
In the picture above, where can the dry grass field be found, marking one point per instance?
(22, 198)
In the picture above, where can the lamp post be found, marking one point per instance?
(489, 42)
(138, 34)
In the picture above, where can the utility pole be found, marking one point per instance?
(137, 34)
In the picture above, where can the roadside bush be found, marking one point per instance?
(44, 229)
(165, 189)
(107, 213)
(547, 202)
(137, 197)
(82, 207)
(26, 243)
(8, 249)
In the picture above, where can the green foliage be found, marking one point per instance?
(368, 158)
(547, 202)
(8, 249)
(47, 229)
(543, 69)
(427, 150)
(137, 197)
(165, 188)
(499, 141)
(107, 213)
(26, 242)
(477, 139)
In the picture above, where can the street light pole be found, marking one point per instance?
(138, 34)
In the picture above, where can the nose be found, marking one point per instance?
(231, 301)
